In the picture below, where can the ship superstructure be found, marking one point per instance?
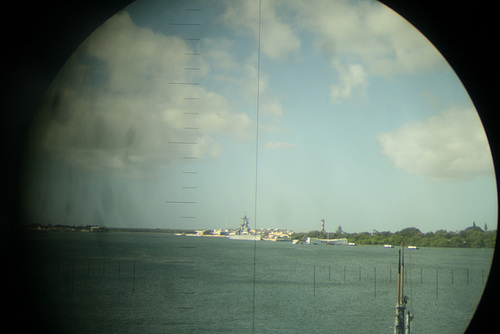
(244, 232)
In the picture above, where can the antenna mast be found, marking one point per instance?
(403, 317)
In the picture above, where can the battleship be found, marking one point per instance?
(244, 232)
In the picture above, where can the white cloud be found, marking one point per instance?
(277, 37)
(279, 145)
(449, 146)
(352, 78)
(366, 31)
(271, 107)
(123, 102)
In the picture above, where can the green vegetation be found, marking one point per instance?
(471, 237)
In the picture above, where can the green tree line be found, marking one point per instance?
(471, 237)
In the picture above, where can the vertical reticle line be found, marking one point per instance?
(256, 167)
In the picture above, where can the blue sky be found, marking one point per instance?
(153, 123)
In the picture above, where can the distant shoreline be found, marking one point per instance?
(471, 237)
(98, 229)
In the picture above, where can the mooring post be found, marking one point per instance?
(437, 278)
(314, 280)
(133, 280)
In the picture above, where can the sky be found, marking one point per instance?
(180, 114)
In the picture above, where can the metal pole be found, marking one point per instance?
(403, 274)
(407, 322)
(437, 279)
(399, 279)
(314, 280)
(398, 326)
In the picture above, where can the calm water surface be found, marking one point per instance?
(161, 283)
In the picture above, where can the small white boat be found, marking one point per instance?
(413, 247)
(388, 246)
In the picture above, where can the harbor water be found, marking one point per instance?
(161, 283)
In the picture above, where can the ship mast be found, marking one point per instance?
(403, 317)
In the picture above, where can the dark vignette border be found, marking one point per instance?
(38, 37)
